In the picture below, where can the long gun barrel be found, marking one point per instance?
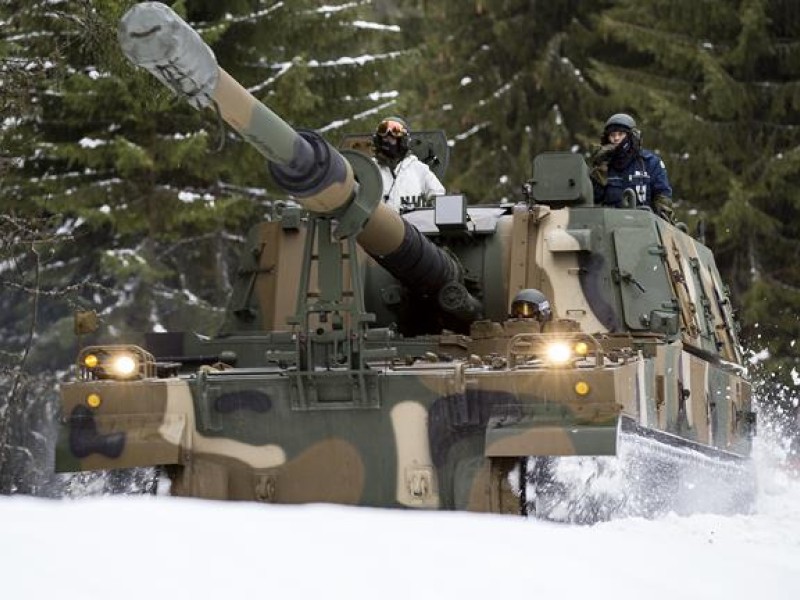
(302, 163)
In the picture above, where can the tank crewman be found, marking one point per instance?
(621, 164)
(407, 181)
(531, 304)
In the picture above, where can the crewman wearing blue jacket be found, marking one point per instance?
(622, 164)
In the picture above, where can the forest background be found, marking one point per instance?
(117, 197)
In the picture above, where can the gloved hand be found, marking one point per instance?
(603, 154)
(599, 174)
(663, 206)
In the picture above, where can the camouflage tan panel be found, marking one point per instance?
(705, 309)
(268, 268)
(570, 255)
(264, 296)
(111, 424)
(699, 400)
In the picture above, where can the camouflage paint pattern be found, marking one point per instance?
(437, 430)
(235, 433)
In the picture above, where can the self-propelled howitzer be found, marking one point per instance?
(394, 372)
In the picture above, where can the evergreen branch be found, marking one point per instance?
(170, 293)
(773, 280)
(668, 102)
(259, 193)
(625, 30)
(357, 117)
(282, 69)
(460, 137)
(760, 125)
(346, 61)
(682, 54)
(185, 241)
(56, 292)
(328, 9)
(376, 26)
(646, 81)
(252, 17)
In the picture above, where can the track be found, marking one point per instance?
(653, 474)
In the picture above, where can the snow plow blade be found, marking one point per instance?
(652, 473)
(528, 438)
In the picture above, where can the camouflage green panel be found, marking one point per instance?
(641, 275)
(555, 419)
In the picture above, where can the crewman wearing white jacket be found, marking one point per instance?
(407, 181)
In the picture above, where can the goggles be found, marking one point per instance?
(530, 310)
(392, 128)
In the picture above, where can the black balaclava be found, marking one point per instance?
(390, 141)
(624, 153)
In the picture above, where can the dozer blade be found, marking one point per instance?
(653, 473)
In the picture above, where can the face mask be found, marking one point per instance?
(625, 147)
(387, 147)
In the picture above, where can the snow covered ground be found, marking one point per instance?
(158, 547)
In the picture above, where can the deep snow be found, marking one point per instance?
(159, 547)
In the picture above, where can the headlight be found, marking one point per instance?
(123, 365)
(567, 349)
(558, 353)
(120, 362)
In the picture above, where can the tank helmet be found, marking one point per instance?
(620, 122)
(391, 138)
(531, 304)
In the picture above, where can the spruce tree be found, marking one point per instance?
(156, 195)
